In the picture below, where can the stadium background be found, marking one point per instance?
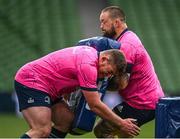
(30, 29)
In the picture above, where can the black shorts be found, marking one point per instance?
(126, 111)
(29, 97)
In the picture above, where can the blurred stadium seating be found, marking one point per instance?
(32, 28)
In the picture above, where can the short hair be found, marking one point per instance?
(117, 59)
(120, 79)
(115, 12)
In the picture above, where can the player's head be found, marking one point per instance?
(112, 19)
(111, 63)
(118, 83)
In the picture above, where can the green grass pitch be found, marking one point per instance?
(13, 127)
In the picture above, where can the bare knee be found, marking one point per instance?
(65, 123)
(40, 132)
(62, 117)
(39, 120)
(104, 130)
(97, 131)
(45, 131)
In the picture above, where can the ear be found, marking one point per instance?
(117, 23)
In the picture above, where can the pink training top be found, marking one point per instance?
(62, 71)
(144, 89)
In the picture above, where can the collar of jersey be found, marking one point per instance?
(122, 33)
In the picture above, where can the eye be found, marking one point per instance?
(103, 21)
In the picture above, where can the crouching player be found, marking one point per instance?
(41, 84)
(66, 117)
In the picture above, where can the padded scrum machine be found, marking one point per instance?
(167, 119)
(85, 118)
(100, 43)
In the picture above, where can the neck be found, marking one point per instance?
(120, 30)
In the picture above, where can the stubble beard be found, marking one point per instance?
(110, 34)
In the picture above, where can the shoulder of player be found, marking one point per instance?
(130, 39)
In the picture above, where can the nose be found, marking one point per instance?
(101, 26)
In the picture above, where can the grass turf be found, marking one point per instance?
(13, 127)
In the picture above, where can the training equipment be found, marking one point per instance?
(167, 119)
(100, 43)
(85, 118)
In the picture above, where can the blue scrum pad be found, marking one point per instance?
(167, 119)
(85, 118)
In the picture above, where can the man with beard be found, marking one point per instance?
(143, 90)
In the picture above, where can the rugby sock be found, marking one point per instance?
(25, 136)
(57, 134)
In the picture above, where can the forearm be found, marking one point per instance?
(125, 125)
(106, 113)
(101, 109)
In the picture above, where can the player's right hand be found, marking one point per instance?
(129, 127)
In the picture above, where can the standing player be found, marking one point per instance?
(143, 90)
(40, 85)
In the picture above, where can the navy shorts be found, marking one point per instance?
(29, 97)
(126, 111)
